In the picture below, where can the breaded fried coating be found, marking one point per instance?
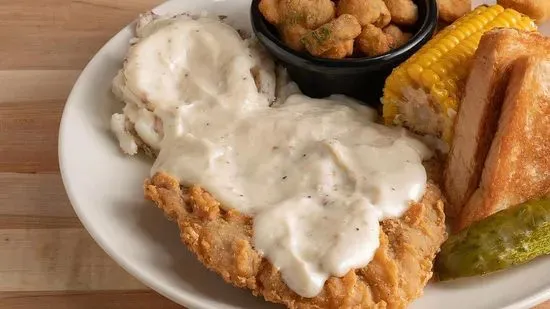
(292, 36)
(270, 11)
(222, 240)
(366, 11)
(333, 39)
(340, 51)
(294, 18)
(451, 10)
(396, 37)
(373, 41)
(539, 10)
(403, 12)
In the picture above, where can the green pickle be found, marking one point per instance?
(510, 237)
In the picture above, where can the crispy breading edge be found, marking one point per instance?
(222, 240)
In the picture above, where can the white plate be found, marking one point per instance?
(105, 190)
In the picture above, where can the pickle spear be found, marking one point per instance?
(510, 237)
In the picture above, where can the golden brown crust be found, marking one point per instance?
(367, 12)
(517, 168)
(373, 41)
(292, 36)
(222, 241)
(333, 39)
(339, 51)
(396, 37)
(403, 12)
(294, 18)
(451, 10)
(477, 118)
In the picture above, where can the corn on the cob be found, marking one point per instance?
(424, 92)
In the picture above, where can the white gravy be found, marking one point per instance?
(316, 175)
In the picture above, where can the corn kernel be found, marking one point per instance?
(448, 42)
(450, 85)
(415, 71)
(449, 65)
(483, 19)
(502, 22)
(512, 14)
(528, 24)
(511, 17)
(465, 30)
(471, 28)
(459, 35)
(441, 48)
(454, 59)
(471, 44)
(392, 96)
(439, 69)
(476, 23)
(453, 39)
(439, 93)
(463, 51)
(429, 78)
(434, 53)
(426, 60)
(480, 9)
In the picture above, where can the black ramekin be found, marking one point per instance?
(361, 78)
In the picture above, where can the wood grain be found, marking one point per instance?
(47, 260)
(86, 300)
(33, 195)
(60, 34)
(28, 135)
(29, 85)
(57, 259)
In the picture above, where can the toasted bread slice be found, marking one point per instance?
(517, 168)
(477, 118)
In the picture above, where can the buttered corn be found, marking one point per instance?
(424, 92)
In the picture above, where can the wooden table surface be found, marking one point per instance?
(47, 259)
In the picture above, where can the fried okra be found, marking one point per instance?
(333, 39)
(366, 11)
(451, 10)
(397, 37)
(403, 12)
(294, 18)
(373, 41)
